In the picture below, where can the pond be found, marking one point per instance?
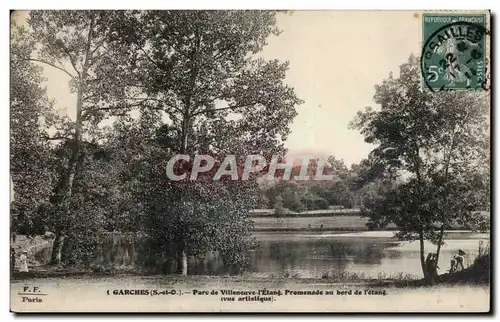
(365, 254)
(313, 255)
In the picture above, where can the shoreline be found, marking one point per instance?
(388, 281)
(81, 275)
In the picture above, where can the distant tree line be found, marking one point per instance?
(346, 190)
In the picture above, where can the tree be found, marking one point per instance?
(94, 199)
(199, 70)
(278, 207)
(80, 45)
(195, 216)
(30, 166)
(292, 200)
(439, 143)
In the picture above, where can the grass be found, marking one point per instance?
(301, 223)
(477, 274)
(353, 276)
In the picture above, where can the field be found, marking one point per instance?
(338, 223)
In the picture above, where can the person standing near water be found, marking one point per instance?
(12, 194)
(13, 234)
(23, 261)
(459, 260)
(12, 259)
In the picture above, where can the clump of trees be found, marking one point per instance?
(348, 189)
(431, 162)
(31, 166)
(169, 82)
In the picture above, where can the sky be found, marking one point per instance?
(336, 59)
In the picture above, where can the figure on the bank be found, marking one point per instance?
(23, 261)
(459, 260)
(453, 265)
(48, 234)
(12, 259)
(431, 266)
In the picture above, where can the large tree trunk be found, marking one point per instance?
(182, 264)
(70, 178)
(440, 242)
(434, 276)
(57, 249)
(422, 254)
(65, 207)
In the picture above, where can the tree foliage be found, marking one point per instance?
(31, 165)
(198, 70)
(79, 44)
(195, 80)
(437, 142)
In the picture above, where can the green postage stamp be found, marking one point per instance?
(454, 51)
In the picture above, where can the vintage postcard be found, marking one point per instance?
(250, 161)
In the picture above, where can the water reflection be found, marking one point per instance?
(370, 257)
(313, 257)
(306, 256)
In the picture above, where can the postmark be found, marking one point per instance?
(454, 53)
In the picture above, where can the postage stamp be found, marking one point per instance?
(454, 51)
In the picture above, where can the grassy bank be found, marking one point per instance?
(339, 223)
(327, 278)
(470, 276)
(477, 274)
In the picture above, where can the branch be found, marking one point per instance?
(219, 54)
(170, 44)
(90, 96)
(70, 58)
(225, 108)
(52, 65)
(151, 59)
(156, 100)
(93, 58)
(141, 101)
(115, 108)
(201, 103)
(87, 49)
(99, 45)
(166, 103)
(178, 51)
(60, 137)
